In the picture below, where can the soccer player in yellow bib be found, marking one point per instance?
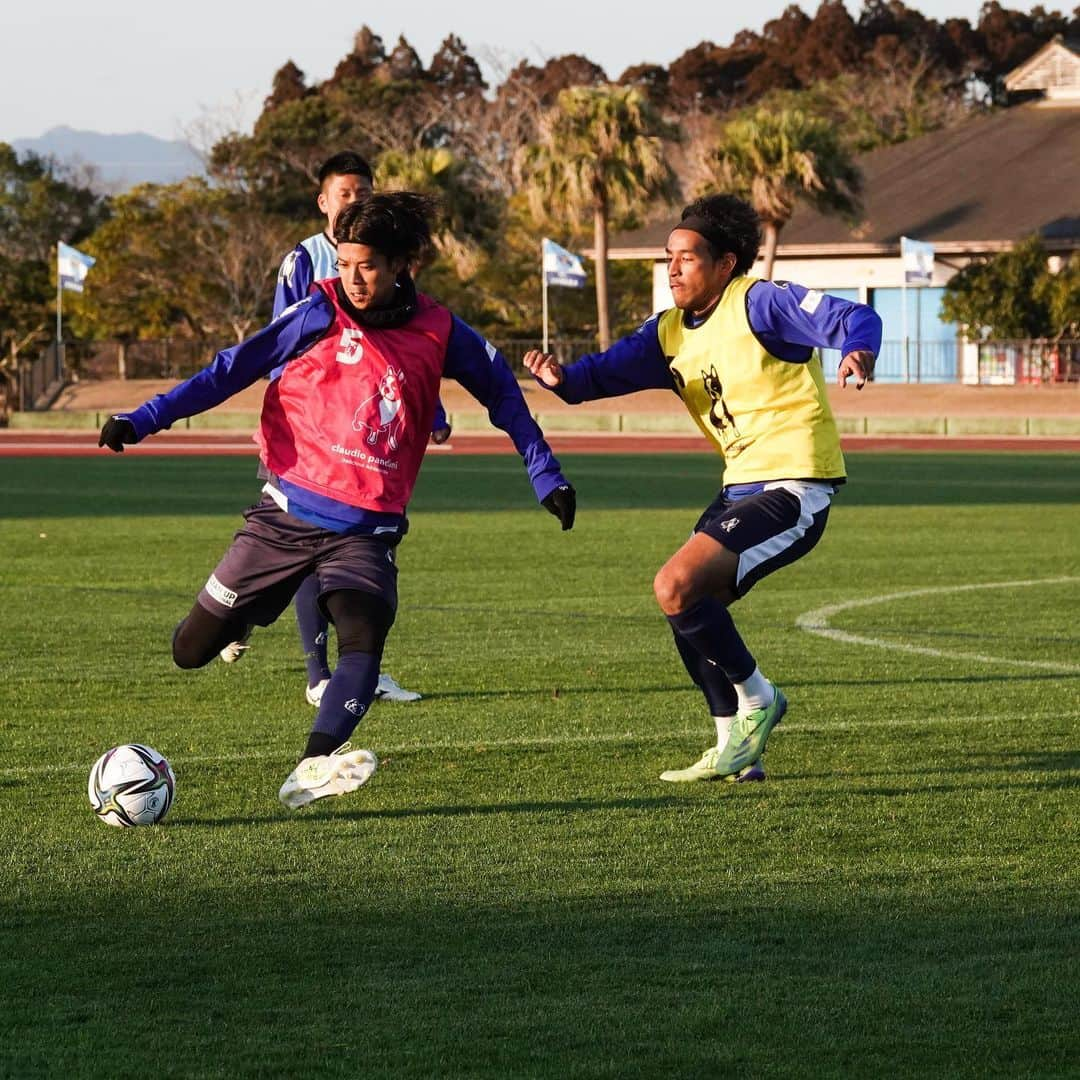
(741, 353)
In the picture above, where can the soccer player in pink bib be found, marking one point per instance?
(343, 432)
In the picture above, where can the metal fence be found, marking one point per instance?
(918, 362)
(987, 363)
(36, 380)
(175, 358)
(1008, 363)
(179, 358)
(33, 382)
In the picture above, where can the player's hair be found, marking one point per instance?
(394, 223)
(347, 163)
(728, 224)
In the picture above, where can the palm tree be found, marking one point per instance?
(599, 150)
(774, 158)
(469, 216)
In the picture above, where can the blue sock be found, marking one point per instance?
(348, 695)
(313, 630)
(709, 627)
(714, 684)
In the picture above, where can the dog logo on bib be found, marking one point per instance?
(382, 414)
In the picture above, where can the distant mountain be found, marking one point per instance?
(122, 161)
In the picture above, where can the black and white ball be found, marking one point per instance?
(131, 785)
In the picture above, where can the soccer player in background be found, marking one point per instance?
(343, 179)
(342, 435)
(739, 351)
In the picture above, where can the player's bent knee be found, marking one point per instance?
(361, 620)
(673, 590)
(200, 637)
(188, 654)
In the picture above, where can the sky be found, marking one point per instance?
(195, 69)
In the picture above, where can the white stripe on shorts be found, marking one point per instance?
(813, 496)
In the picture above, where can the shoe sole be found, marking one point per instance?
(345, 779)
(753, 773)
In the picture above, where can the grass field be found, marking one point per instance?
(515, 893)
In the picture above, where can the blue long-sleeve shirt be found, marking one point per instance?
(471, 360)
(789, 320)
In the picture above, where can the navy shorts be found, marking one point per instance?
(273, 553)
(769, 529)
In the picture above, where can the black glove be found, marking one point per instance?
(116, 432)
(562, 502)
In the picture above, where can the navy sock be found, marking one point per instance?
(709, 627)
(348, 695)
(319, 744)
(313, 630)
(714, 684)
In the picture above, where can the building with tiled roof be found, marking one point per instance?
(970, 190)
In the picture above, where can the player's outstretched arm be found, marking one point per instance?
(635, 362)
(483, 371)
(230, 371)
(544, 368)
(856, 365)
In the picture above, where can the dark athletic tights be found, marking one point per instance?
(361, 620)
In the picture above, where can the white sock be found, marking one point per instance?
(723, 730)
(756, 693)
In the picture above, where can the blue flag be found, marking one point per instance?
(918, 260)
(561, 267)
(71, 267)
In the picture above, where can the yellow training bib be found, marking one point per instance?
(769, 418)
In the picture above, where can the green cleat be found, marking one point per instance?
(749, 733)
(705, 769)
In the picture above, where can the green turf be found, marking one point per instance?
(515, 893)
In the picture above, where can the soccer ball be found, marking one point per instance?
(131, 785)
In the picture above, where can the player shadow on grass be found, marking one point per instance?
(1063, 767)
(334, 811)
(1065, 783)
(558, 691)
(677, 685)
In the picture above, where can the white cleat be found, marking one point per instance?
(329, 774)
(314, 693)
(389, 689)
(236, 649)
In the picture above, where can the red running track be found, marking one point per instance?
(179, 444)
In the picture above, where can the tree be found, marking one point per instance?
(775, 159)
(600, 152)
(1014, 295)
(38, 206)
(652, 80)
(288, 86)
(367, 54)
(470, 215)
(454, 71)
(402, 65)
(183, 254)
(829, 46)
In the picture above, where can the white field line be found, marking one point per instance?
(541, 742)
(817, 622)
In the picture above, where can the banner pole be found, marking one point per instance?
(544, 305)
(904, 323)
(59, 316)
